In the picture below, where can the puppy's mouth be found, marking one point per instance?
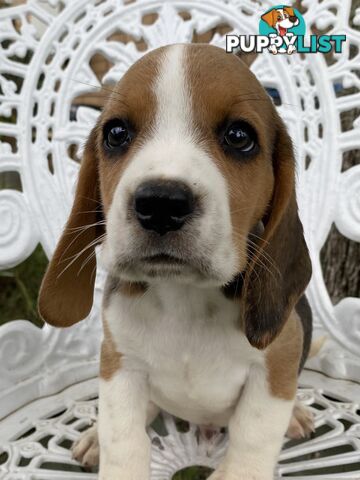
(163, 259)
(164, 265)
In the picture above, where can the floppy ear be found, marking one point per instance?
(277, 276)
(247, 57)
(290, 11)
(66, 293)
(269, 18)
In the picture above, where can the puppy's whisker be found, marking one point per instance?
(259, 261)
(258, 237)
(73, 240)
(263, 259)
(95, 242)
(239, 210)
(95, 200)
(255, 245)
(84, 227)
(86, 261)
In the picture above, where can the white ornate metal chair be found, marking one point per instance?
(48, 376)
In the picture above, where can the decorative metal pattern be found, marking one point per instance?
(43, 433)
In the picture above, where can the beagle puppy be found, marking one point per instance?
(281, 19)
(188, 182)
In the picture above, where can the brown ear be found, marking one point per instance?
(269, 17)
(66, 293)
(290, 11)
(247, 57)
(278, 275)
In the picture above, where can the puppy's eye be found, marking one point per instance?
(241, 137)
(116, 135)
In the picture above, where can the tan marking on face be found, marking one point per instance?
(223, 90)
(110, 358)
(283, 359)
(133, 99)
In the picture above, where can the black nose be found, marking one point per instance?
(293, 19)
(163, 206)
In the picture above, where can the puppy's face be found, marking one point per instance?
(188, 158)
(184, 151)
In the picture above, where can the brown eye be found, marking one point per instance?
(241, 137)
(116, 135)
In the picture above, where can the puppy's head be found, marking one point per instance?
(194, 173)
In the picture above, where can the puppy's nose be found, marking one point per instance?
(163, 206)
(293, 19)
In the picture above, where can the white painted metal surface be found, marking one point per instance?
(45, 53)
(42, 433)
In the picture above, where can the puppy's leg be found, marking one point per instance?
(86, 449)
(256, 431)
(124, 443)
(302, 422)
(262, 415)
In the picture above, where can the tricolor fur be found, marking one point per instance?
(217, 335)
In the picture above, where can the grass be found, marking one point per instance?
(19, 288)
(193, 473)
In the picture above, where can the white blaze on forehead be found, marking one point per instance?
(174, 113)
(173, 151)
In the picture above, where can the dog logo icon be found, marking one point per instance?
(282, 30)
(283, 25)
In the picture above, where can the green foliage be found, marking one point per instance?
(19, 289)
(193, 473)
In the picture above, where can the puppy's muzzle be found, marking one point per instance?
(163, 205)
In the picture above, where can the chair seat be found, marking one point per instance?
(36, 440)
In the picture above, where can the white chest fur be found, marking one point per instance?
(188, 344)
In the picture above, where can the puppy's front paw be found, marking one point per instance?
(86, 449)
(229, 473)
(125, 460)
(239, 476)
(122, 472)
(301, 423)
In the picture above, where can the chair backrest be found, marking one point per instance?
(53, 53)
